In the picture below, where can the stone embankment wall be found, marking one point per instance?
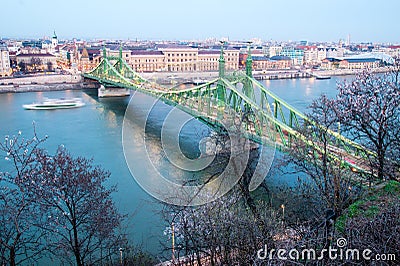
(41, 79)
(342, 72)
(40, 83)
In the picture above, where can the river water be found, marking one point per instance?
(95, 131)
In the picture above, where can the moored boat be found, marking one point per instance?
(49, 104)
(322, 77)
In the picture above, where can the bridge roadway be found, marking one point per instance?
(221, 101)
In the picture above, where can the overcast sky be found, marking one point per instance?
(281, 20)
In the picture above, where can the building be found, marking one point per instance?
(36, 61)
(310, 55)
(84, 63)
(359, 63)
(350, 63)
(147, 60)
(231, 56)
(54, 42)
(295, 54)
(330, 63)
(179, 58)
(272, 63)
(321, 54)
(208, 60)
(394, 51)
(273, 51)
(87, 58)
(280, 62)
(5, 68)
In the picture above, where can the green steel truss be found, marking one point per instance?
(263, 116)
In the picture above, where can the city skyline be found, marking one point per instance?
(309, 20)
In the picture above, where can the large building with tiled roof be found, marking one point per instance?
(350, 63)
(37, 61)
(179, 58)
(147, 60)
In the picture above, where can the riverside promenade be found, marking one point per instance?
(43, 82)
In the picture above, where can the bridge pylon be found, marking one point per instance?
(104, 59)
(120, 58)
(248, 88)
(221, 88)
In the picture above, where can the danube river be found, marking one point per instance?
(95, 131)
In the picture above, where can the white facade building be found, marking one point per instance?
(5, 69)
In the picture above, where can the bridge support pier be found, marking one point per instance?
(112, 92)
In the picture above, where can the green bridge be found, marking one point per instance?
(235, 98)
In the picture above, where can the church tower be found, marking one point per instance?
(54, 41)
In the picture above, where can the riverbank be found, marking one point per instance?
(40, 87)
(34, 79)
(58, 82)
(345, 72)
(43, 82)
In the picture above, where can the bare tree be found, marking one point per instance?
(222, 232)
(82, 217)
(332, 184)
(20, 241)
(368, 109)
(232, 228)
(35, 63)
(57, 204)
(49, 66)
(22, 66)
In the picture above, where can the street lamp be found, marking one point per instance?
(120, 254)
(283, 213)
(173, 241)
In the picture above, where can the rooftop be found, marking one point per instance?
(146, 52)
(360, 60)
(174, 46)
(280, 57)
(35, 55)
(209, 52)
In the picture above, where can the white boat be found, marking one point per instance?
(322, 77)
(49, 104)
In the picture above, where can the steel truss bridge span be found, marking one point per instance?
(236, 98)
